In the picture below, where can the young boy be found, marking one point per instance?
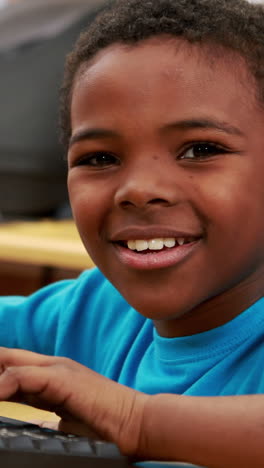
(162, 114)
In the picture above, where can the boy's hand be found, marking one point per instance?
(88, 403)
(209, 431)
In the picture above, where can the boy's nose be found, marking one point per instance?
(148, 186)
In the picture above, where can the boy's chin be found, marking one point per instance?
(179, 319)
(161, 310)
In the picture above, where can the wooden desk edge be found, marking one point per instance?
(36, 249)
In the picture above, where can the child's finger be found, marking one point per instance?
(69, 427)
(77, 428)
(46, 384)
(50, 388)
(54, 425)
(75, 393)
(18, 357)
(56, 382)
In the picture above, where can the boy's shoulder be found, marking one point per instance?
(90, 289)
(64, 315)
(88, 285)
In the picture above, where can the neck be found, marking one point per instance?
(215, 311)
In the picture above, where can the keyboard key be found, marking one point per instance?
(25, 445)
(51, 446)
(82, 447)
(106, 450)
(21, 443)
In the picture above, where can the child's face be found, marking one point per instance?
(167, 145)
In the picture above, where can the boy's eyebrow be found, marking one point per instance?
(91, 134)
(204, 123)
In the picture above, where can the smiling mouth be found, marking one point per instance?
(148, 246)
(156, 253)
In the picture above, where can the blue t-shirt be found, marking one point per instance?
(89, 321)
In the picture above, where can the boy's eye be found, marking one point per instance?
(201, 151)
(100, 159)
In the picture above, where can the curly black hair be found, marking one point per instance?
(233, 24)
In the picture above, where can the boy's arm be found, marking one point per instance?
(218, 432)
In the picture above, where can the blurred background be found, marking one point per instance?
(39, 243)
(35, 36)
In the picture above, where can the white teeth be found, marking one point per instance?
(131, 245)
(152, 244)
(169, 243)
(141, 245)
(180, 240)
(155, 244)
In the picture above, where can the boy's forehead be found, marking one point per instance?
(172, 57)
(156, 62)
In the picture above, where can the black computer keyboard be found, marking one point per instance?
(25, 445)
